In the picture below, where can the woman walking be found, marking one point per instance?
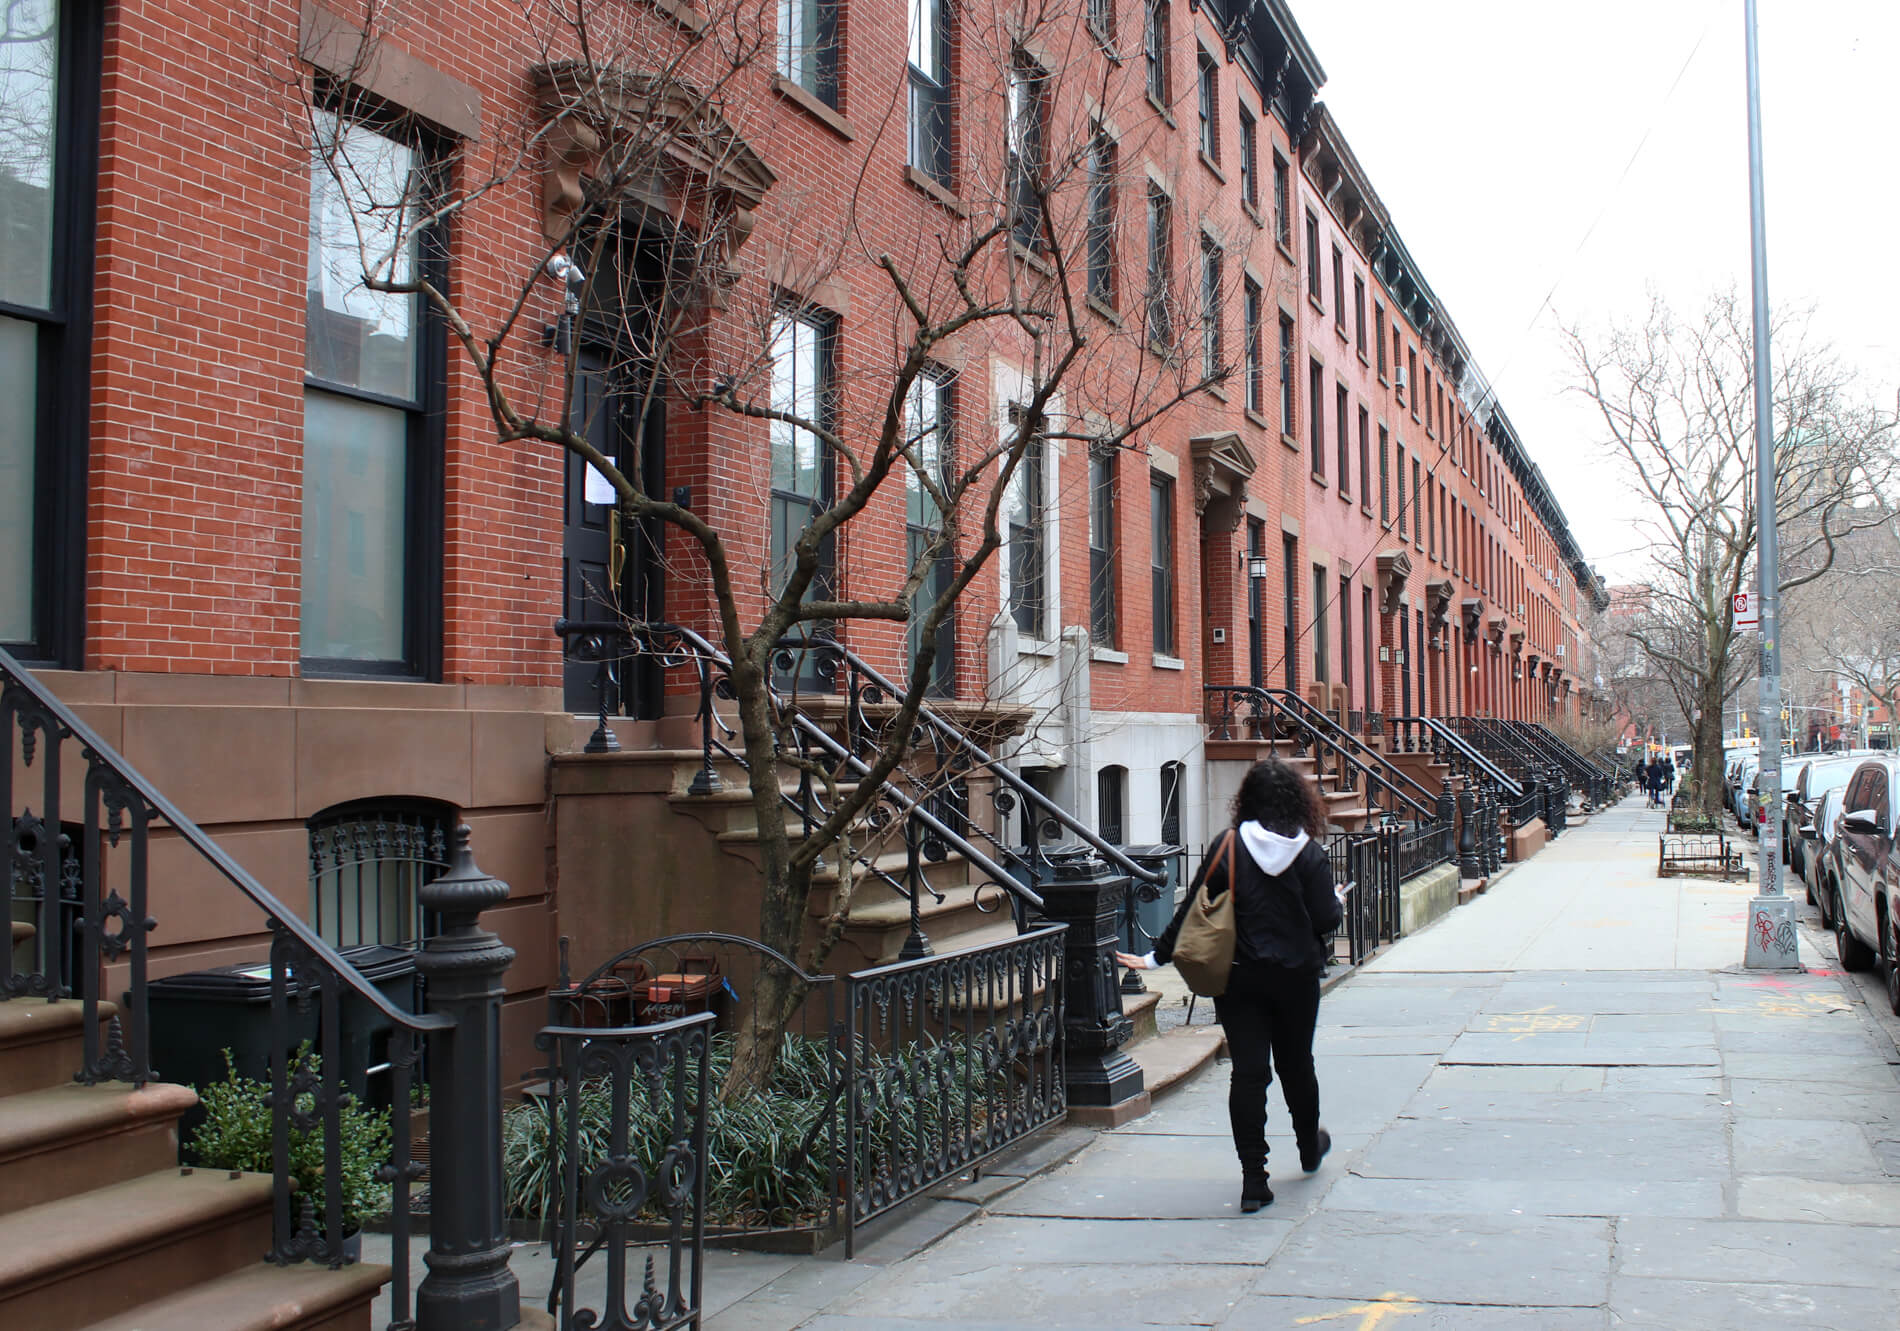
(1285, 905)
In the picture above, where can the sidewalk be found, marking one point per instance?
(1564, 1106)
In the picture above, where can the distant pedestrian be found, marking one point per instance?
(1656, 784)
(1669, 779)
(1285, 906)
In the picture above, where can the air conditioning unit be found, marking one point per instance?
(1398, 378)
(1560, 649)
(1520, 610)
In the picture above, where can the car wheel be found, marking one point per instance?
(1890, 960)
(1854, 954)
(1823, 903)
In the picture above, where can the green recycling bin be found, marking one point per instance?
(1153, 917)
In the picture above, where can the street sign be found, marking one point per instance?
(1746, 616)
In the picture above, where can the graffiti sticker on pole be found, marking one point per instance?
(1746, 610)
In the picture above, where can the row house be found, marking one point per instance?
(258, 527)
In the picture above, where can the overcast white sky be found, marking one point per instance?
(1497, 132)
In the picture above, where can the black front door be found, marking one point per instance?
(611, 568)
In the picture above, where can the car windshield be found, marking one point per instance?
(1823, 777)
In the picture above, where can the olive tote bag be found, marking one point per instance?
(1204, 949)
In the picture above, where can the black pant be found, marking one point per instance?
(1268, 1013)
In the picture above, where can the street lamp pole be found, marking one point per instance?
(1770, 944)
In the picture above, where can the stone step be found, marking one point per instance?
(41, 1043)
(262, 1297)
(61, 1141)
(68, 1264)
(1173, 1058)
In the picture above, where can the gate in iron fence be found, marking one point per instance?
(1369, 860)
(948, 1061)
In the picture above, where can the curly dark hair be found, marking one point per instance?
(1279, 799)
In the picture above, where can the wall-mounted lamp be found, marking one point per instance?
(1385, 653)
(1257, 566)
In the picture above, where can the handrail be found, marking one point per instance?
(1466, 750)
(17, 676)
(1572, 754)
(1271, 699)
(817, 734)
(1501, 743)
(1554, 751)
(982, 759)
(1340, 735)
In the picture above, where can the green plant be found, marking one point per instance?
(768, 1155)
(236, 1133)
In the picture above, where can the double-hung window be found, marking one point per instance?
(1207, 80)
(927, 426)
(1322, 667)
(49, 91)
(1339, 290)
(1210, 308)
(808, 46)
(1249, 159)
(1027, 503)
(801, 348)
(1161, 560)
(1359, 314)
(1342, 436)
(1365, 458)
(1154, 51)
(1027, 132)
(1282, 218)
(1255, 371)
(1103, 626)
(1378, 336)
(1101, 235)
(1316, 414)
(1385, 477)
(372, 429)
(1160, 265)
(930, 90)
(1288, 390)
(1314, 282)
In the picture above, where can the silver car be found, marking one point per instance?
(1817, 835)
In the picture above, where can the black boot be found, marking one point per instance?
(1322, 1143)
(1254, 1192)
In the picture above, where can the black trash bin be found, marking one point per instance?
(1154, 916)
(195, 1017)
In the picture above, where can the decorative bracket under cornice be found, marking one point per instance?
(1395, 566)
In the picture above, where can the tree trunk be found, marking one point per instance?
(1709, 766)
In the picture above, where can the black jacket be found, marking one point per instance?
(1279, 920)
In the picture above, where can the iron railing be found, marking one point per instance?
(1562, 761)
(1245, 711)
(107, 896)
(948, 1061)
(1370, 914)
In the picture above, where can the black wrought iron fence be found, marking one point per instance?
(630, 1105)
(948, 1061)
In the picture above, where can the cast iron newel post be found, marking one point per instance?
(1448, 820)
(469, 1286)
(1468, 865)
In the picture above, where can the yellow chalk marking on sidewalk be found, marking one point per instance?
(1538, 1021)
(1374, 1314)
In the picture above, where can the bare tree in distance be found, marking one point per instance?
(1845, 628)
(668, 246)
(1674, 395)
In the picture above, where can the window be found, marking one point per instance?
(1160, 264)
(1431, 519)
(1161, 560)
(1111, 789)
(1371, 689)
(1249, 159)
(1154, 50)
(1173, 777)
(1418, 501)
(1398, 388)
(1322, 667)
(371, 469)
(1102, 22)
(930, 90)
(1101, 185)
(1365, 457)
(1385, 507)
(1316, 415)
(1342, 436)
(1287, 417)
(1211, 361)
(1282, 217)
(49, 91)
(1411, 378)
(1255, 372)
(1403, 531)
(1359, 314)
(1103, 627)
(802, 341)
(1431, 428)
(1313, 280)
(808, 46)
(928, 424)
(1290, 608)
(1339, 290)
(1378, 336)
(1256, 610)
(367, 859)
(1345, 638)
(1027, 90)
(1027, 499)
(1208, 81)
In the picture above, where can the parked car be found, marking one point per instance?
(1738, 799)
(1818, 776)
(1818, 831)
(1866, 874)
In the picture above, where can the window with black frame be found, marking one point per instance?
(1028, 112)
(1102, 477)
(1211, 300)
(373, 369)
(1207, 81)
(1250, 334)
(1154, 50)
(1161, 536)
(1173, 777)
(928, 424)
(1160, 268)
(367, 860)
(1111, 805)
(1101, 233)
(930, 99)
(801, 352)
(49, 97)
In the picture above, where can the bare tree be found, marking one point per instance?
(1845, 628)
(1675, 397)
(668, 246)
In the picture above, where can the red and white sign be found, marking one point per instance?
(1747, 614)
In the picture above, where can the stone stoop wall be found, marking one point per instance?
(1527, 840)
(1426, 897)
